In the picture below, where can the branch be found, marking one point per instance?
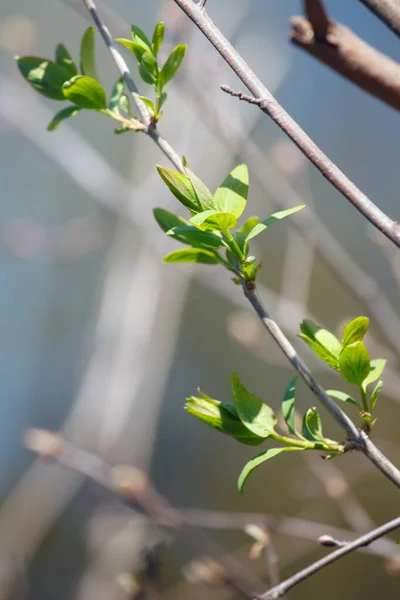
(360, 440)
(130, 84)
(280, 590)
(350, 56)
(133, 487)
(388, 11)
(271, 107)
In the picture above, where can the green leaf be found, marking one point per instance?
(149, 103)
(343, 397)
(116, 94)
(63, 114)
(45, 76)
(202, 192)
(377, 366)
(272, 219)
(376, 393)
(231, 196)
(249, 225)
(63, 58)
(323, 353)
(168, 220)
(85, 92)
(240, 240)
(163, 98)
(138, 35)
(87, 56)
(287, 406)
(124, 104)
(192, 255)
(158, 38)
(253, 412)
(355, 331)
(213, 220)
(122, 129)
(172, 64)
(181, 187)
(146, 75)
(258, 460)
(195, 237)
(322, 342)
(354, 363)
(312, 426)
(221, 416)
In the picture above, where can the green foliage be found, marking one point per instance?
(85, 92)
(218, 215)
(193, 255)
(45, 76)
(146, 53)
(349, 357)
(287, 406)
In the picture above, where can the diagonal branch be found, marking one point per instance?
(123, 68)
(350, 56)
(388, 11)
(271, 107)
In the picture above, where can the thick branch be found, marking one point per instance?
(388, 11)
(349, 55)
(130, 84)
(270, 106)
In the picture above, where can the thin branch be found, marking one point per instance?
(130, 84)
(388, 11)
(316, 13)
(352, 57)
(133, 487)
(361, 441)
(279, 590)
(271, 107)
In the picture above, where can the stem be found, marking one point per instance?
(233, 245)
(304, 444)
(364, 399)
(271, 107)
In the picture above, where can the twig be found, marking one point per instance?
(387, 10)
(269, 105)
(134, 488)
(279, 590)
(130, 84)
(352, 57)
(315, 11)
(361, 441)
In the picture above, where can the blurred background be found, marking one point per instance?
(103, 342)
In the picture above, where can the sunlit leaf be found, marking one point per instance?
(63, 114)
(87, 54)
(272, 219)
(203, 194)
(45, 76)
(192, 255)
(355, 331)
(253, 412)
(288, 402)
(63, 58)
(343, 397)
(168, 220)
(181, 187)
(377, 366)
(158, 37)
(231, 196)
(85, 92)
(258, 460)
(214, 220)
(376, 393)
(172, 64)
(354, 363)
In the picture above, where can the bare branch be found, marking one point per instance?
(271, 107)
(350, 56)
(149, 128)
(388, 11)
(315, 11)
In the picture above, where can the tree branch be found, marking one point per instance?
(123, 68)
(361, 440)
(351, 57)
(315, 11)
(388, 11)
(271, 107)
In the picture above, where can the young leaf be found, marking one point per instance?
(85, 92)
(331, 360)
(149, 103)
(322, 342)
(231, 196)
(192, 255)
(138, 35)
(376, 393)
(249, 225)
(45, 76)
(377, 366)
(168, 220)
(116, 94)
(181, 187)
(87, 57)
(312, 426)
(172, 64)
(343, 397)
(195, 237)
(272, 219)
(253, 412)
(258, 460)
(213, 220)
(147, 76)
(221, 416)
(63, 58)
(63, 114)
(158, 38)
(355, 331)
(287, 405)
(240, 240)
(354, 363)
(202, 192)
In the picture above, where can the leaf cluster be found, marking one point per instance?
(208, 230)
